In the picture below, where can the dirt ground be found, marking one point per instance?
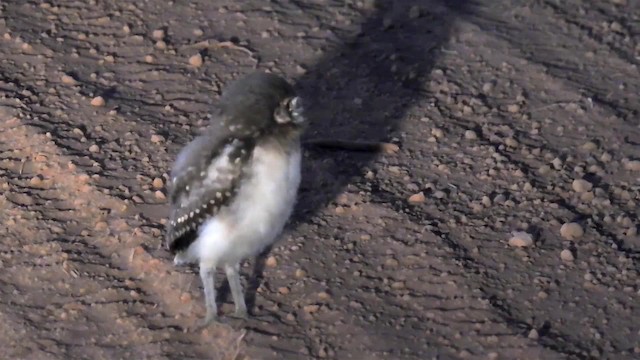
(510, 116)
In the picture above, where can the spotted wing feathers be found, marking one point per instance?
(205, 179)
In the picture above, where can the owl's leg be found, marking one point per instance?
(233, 276)
(207, 275)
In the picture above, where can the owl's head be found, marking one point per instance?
(261, 100)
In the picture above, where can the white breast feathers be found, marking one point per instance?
(258, 212)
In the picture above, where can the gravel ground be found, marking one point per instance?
(504, 227)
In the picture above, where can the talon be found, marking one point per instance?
(205, 323)
(240, 314)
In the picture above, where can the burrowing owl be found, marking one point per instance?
(233, 187)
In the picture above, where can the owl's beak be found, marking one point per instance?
(297, 111)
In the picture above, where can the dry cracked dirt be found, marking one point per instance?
(504, 227)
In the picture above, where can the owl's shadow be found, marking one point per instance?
(361, 91)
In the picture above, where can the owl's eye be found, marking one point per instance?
(282, 114)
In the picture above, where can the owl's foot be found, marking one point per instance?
(205, 323)
(241, 314)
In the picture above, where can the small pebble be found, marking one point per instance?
(156, 139)
(391, 262)
(271, 261)
(511, 142)
(310, 309)
(476, 207)
(98, 101)
(544, 169)
(101, 226)
(590, 146)
(633, 165)
(157, 183)
(94, 148)
(27, 48)
(395, 170)
(139, 250)
(35, 181)
(41, 158)
(283, 290)
(185, 297)
(300, 274)
(196, 60)
(533, 334)
(160, 195)
(390, 148)
(158, 34)
(566, 255)
(418, 198)
(513, 108)
(581, 186)
(438, 194)
(300, 69)
(414, 12)
(68, 80)
(520, 239)
(470, 135)
(571, 231)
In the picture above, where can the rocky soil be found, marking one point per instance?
(504, 227)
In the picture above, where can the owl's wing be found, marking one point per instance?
(205, 177)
